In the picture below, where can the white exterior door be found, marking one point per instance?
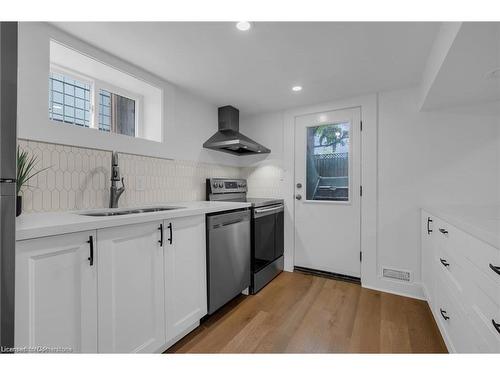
(131, 289)
(56, 293)
(185, 273)
(327, 188)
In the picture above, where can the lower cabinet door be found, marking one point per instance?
(185, 274)
(56, 293)
(131, 289)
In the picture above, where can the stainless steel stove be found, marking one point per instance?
(267, 229)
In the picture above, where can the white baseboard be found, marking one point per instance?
(411, 290)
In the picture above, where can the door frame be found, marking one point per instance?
(354, 180)
(368, 105)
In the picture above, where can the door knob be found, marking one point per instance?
(299, 185)
(298, 197)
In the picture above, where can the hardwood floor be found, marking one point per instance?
(300, 313)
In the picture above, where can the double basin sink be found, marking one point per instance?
(118, 212)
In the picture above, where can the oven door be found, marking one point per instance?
(267, 241)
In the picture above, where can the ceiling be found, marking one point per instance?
(255, 70)
(462, 77)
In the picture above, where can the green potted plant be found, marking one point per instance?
(25, 171)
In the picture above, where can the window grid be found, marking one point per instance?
(69, 100)
(104, 110)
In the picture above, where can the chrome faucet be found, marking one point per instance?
(115, 192)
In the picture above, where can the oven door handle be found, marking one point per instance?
(259, 212)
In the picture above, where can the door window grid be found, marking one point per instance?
(69, 100)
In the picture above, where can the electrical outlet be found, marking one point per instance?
(140, 183)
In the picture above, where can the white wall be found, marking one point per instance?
(424, 158)
(188, 121)
(264, 173)
(429, 158)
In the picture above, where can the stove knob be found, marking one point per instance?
(220, 184)
(215, 185)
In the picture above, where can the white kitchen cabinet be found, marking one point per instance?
(56, 292)
(462, 284)
(131, 289)
(185, 274)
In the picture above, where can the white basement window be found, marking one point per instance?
(87, 93)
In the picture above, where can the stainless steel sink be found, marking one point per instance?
(114, 212)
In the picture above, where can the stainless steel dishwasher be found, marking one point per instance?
(228, 256)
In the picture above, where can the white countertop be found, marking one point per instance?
(482, 222)
(54, 223)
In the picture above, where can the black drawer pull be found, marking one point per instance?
(496, 325)
(91, 254)
(160, 228)
(170, 230)
(429, 230)
(444, 231)
(443, 312)
(444, 262)
(495, 269)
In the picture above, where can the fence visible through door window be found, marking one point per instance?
(327, 165)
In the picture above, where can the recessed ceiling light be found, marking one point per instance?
(243, 25)
(296, 88)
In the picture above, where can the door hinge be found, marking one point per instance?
(360, 191)
(360, 256)
(361, 125)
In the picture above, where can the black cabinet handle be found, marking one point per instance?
(444, 262)
(495, 269)
(443, 312)
(444, 231)
(496, 325)
(171, 237)
(160, 228)
(91, 244)
(429, 230)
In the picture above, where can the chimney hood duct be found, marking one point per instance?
(229, 139)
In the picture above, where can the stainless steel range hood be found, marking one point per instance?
(229, 139)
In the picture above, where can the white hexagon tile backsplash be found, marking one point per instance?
(79, 178)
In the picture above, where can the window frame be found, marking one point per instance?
(138, 99)
(96, 86)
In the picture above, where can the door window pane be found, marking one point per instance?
(327, 163)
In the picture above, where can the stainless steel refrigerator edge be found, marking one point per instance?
(8, 142)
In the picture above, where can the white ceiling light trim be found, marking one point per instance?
(243, 25)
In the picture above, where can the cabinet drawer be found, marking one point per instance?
(453, 320)
(469, 286)
(450, 257)
(461, 244)
(484, 314)
(485, 257)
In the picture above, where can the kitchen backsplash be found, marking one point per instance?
(264, 180)
(79, 178)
